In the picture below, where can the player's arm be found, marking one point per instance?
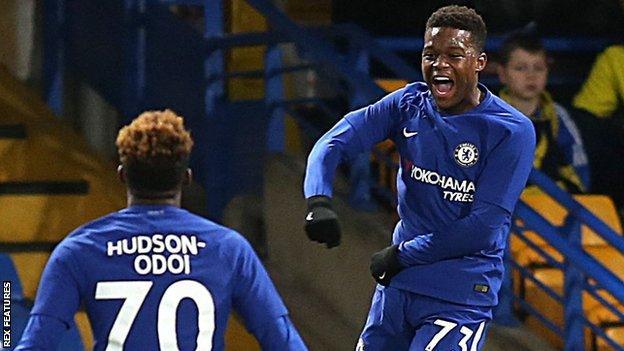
(42, 333)
(279, 334)
(479, 230)
(498, 188)
(56, 303)
(258, 302)
(357, 132)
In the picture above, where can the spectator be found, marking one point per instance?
(559, 151)
(599, 112)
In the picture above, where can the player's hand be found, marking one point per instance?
(321, 222)
(385, 265)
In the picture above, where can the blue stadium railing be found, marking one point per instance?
(579, 268)
(142, 57)
(166, 63)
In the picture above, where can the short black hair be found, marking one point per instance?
(520, 40)
(460, 17)
(154, 150)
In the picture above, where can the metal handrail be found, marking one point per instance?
(576, 209)
(575, 256)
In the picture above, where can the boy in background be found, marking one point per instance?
(559, 151)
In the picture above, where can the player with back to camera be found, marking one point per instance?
(153, 276)
(465, 158)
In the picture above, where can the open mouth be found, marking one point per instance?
(531, 87)
(442, 85)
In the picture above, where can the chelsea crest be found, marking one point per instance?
(466, 154)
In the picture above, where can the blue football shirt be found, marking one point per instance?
(159, 277)
(458, 181)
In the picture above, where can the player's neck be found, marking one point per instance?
(174, 199)
(471, 101)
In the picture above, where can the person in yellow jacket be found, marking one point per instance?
(559, 152)
(602, 94)
(599, 111)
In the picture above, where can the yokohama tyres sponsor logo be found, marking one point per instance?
(452, 189)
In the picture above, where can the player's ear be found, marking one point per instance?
(188, 177)
(481, 61)
(121, 173)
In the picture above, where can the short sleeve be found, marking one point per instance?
(507, 167)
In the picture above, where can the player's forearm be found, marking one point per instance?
(279, 334)
(480, 230)
(42, 333)
(338, 143)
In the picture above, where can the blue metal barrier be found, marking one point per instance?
(579, 211)
(54, 51)
(317, 49)
(578, 266)
(146, 59)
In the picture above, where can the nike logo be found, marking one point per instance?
(309, 217)
(383, 275)
(408, 134)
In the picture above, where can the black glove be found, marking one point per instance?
(385, 264)
(321, 222)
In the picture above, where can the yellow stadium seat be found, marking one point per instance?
(84, 327)
(51, 151)
(45, 217)
(600, 205)
(610, 257)
(615, 333)
(29, 267)
(238, 338)
(613, 326)
(390, 85)
(545, 304)
(599, 314)
(6, 145)
(594, 310)
(606, 255)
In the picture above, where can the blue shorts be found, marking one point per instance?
(402, 320)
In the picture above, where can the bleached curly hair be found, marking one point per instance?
(154, 150)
